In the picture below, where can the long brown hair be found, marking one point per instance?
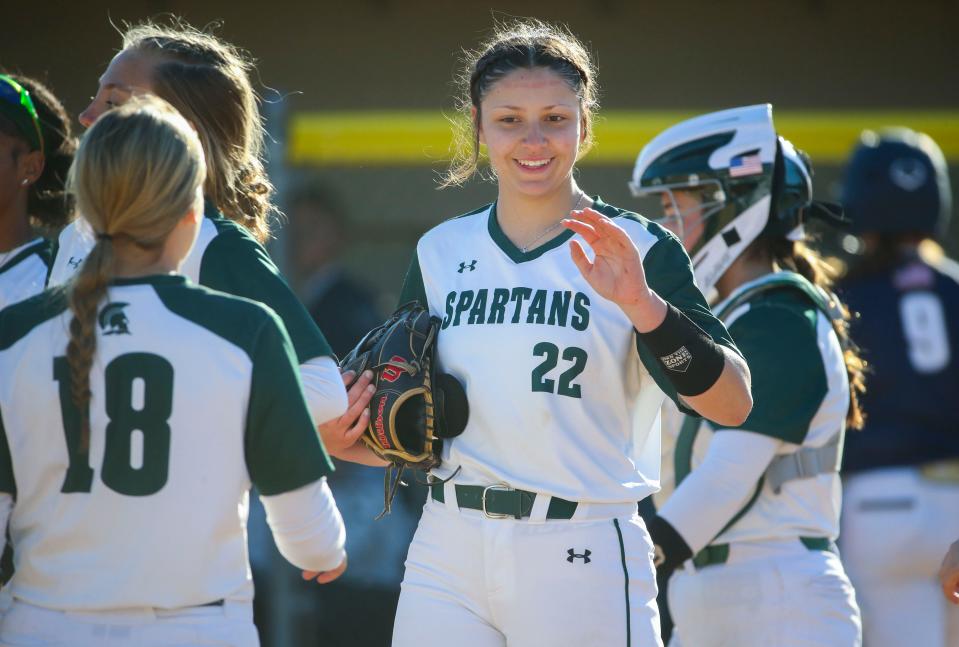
(802, 259)
(208, 81)
(523, 44)
(137, 173)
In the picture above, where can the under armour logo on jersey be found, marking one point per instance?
(464, 266)
(74, 262)
(112, 319)
(573, 555)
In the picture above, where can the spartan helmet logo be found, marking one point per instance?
(112, 319)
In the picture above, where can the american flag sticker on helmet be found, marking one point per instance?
(745, 164)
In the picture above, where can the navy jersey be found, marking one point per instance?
(908, 330)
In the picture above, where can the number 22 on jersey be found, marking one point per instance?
(550, 353)
(142, 425)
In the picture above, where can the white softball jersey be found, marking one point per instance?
(772, 551)
(564, 399)
(195, 394)
(23, 271)
(800, 397)
(227, 258)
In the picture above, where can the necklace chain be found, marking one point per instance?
(554, 226)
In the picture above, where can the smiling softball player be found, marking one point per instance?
(568, 321)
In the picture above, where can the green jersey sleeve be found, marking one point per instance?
(283, 449)
(236, 264)
(669, 273)
(7, 483)
(788, 376)
(413, 287)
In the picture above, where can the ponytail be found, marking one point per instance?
(798, 257)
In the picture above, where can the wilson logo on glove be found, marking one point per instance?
(414, 406)
(380, 426)
(392, 373)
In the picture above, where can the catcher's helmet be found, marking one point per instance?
(897, 181)
(792, 203)
(754, 183)
(730, 156)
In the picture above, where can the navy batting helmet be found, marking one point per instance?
(896, 181)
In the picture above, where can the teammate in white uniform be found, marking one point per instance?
(562, 338)
(136, 410)
(36, 148)
(752, 521)
(206, 79)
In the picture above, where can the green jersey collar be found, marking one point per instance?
(519, 256)
(23, 253)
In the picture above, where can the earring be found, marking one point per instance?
(25, 181)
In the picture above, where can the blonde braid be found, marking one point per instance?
(88, 289)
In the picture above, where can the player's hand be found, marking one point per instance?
(343, 432)
(949, 574)
(616, 271)
(325, 577)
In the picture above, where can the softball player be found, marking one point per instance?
(207, 80)
(36, 148)
(125, 484)
(901, 475)
(752, 522)
(569, 321)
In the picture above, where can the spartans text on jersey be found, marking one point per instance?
(499, 305)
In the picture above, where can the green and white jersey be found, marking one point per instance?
(563, 398)
(23, 271)
(226, 258)
(800, 396)
(195, 394)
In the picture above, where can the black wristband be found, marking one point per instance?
(691, 359)
(671, 549)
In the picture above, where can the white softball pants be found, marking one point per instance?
(896, 528)
(774, 594)
(472, 581)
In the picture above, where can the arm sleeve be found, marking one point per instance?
(788, 376)
(307, 526)
(669, 273)
(283, 449)
(236, 264)
(717, 490)
(413, 287)
(323, 388)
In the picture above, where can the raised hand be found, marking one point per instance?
(616, 271)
